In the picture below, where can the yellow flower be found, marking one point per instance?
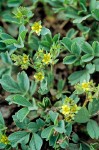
(4, 139)
(39, 76)
(24, 62)
(65, 109)
(36, 27)
(74, 108)
(46, 58)
(86, 86)
(25, 59)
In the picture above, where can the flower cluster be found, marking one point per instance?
(69, 109)
(23, 14)
(46, 58)
(36, 27)
(89, 89)
(39, 76)
(22, 61)
(41, 60)
(85, 87)
(4, 139)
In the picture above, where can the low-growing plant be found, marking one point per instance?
(50, 109)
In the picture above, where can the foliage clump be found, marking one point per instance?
(52, 107)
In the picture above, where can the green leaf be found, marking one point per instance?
(40, 123)
(92, 5)
(22, 113)
(6, 58)
(22, 32)
(71, 12)
(95, 14)
(68, 129)
(17, 137)
(45, 31)
(91, 68)
(18, 99)
(82, 116)
(53, 116)
(69, 59)
(85, 30)
(60, 127)
(33, 87)
(95, 46)
(80, 19)
(33, 127)
(2, 146)
(1, 119)
(9, 84)
(64, 144)
(53, 140)
(46, 102)
(14, 3)
(8, 17)
(43, 87)
(33, 42)
(67, 43)
(45, 44)
(96, 62)
(7, 39)
(20, 43)
(75, 138)
(87, 58)
(93, 129)
(86, 47)
(35, 142)
(84, 9)
(75, 49)
(47, 132)
(85, 146)
(56, 37)
(23, 81)
(21, 125)
(79, 76)
(79, 40)
(73, 146)
(93, 106)
(2, 46)
(71, 33)
(60, 85)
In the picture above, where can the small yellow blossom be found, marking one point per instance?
(69, 109)
(74, 108)
(36, 27)
(4, 139)
(39, 76)
(25, 58)
(24, 61)
(86, 86)
(65, 109)
(46, 58)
